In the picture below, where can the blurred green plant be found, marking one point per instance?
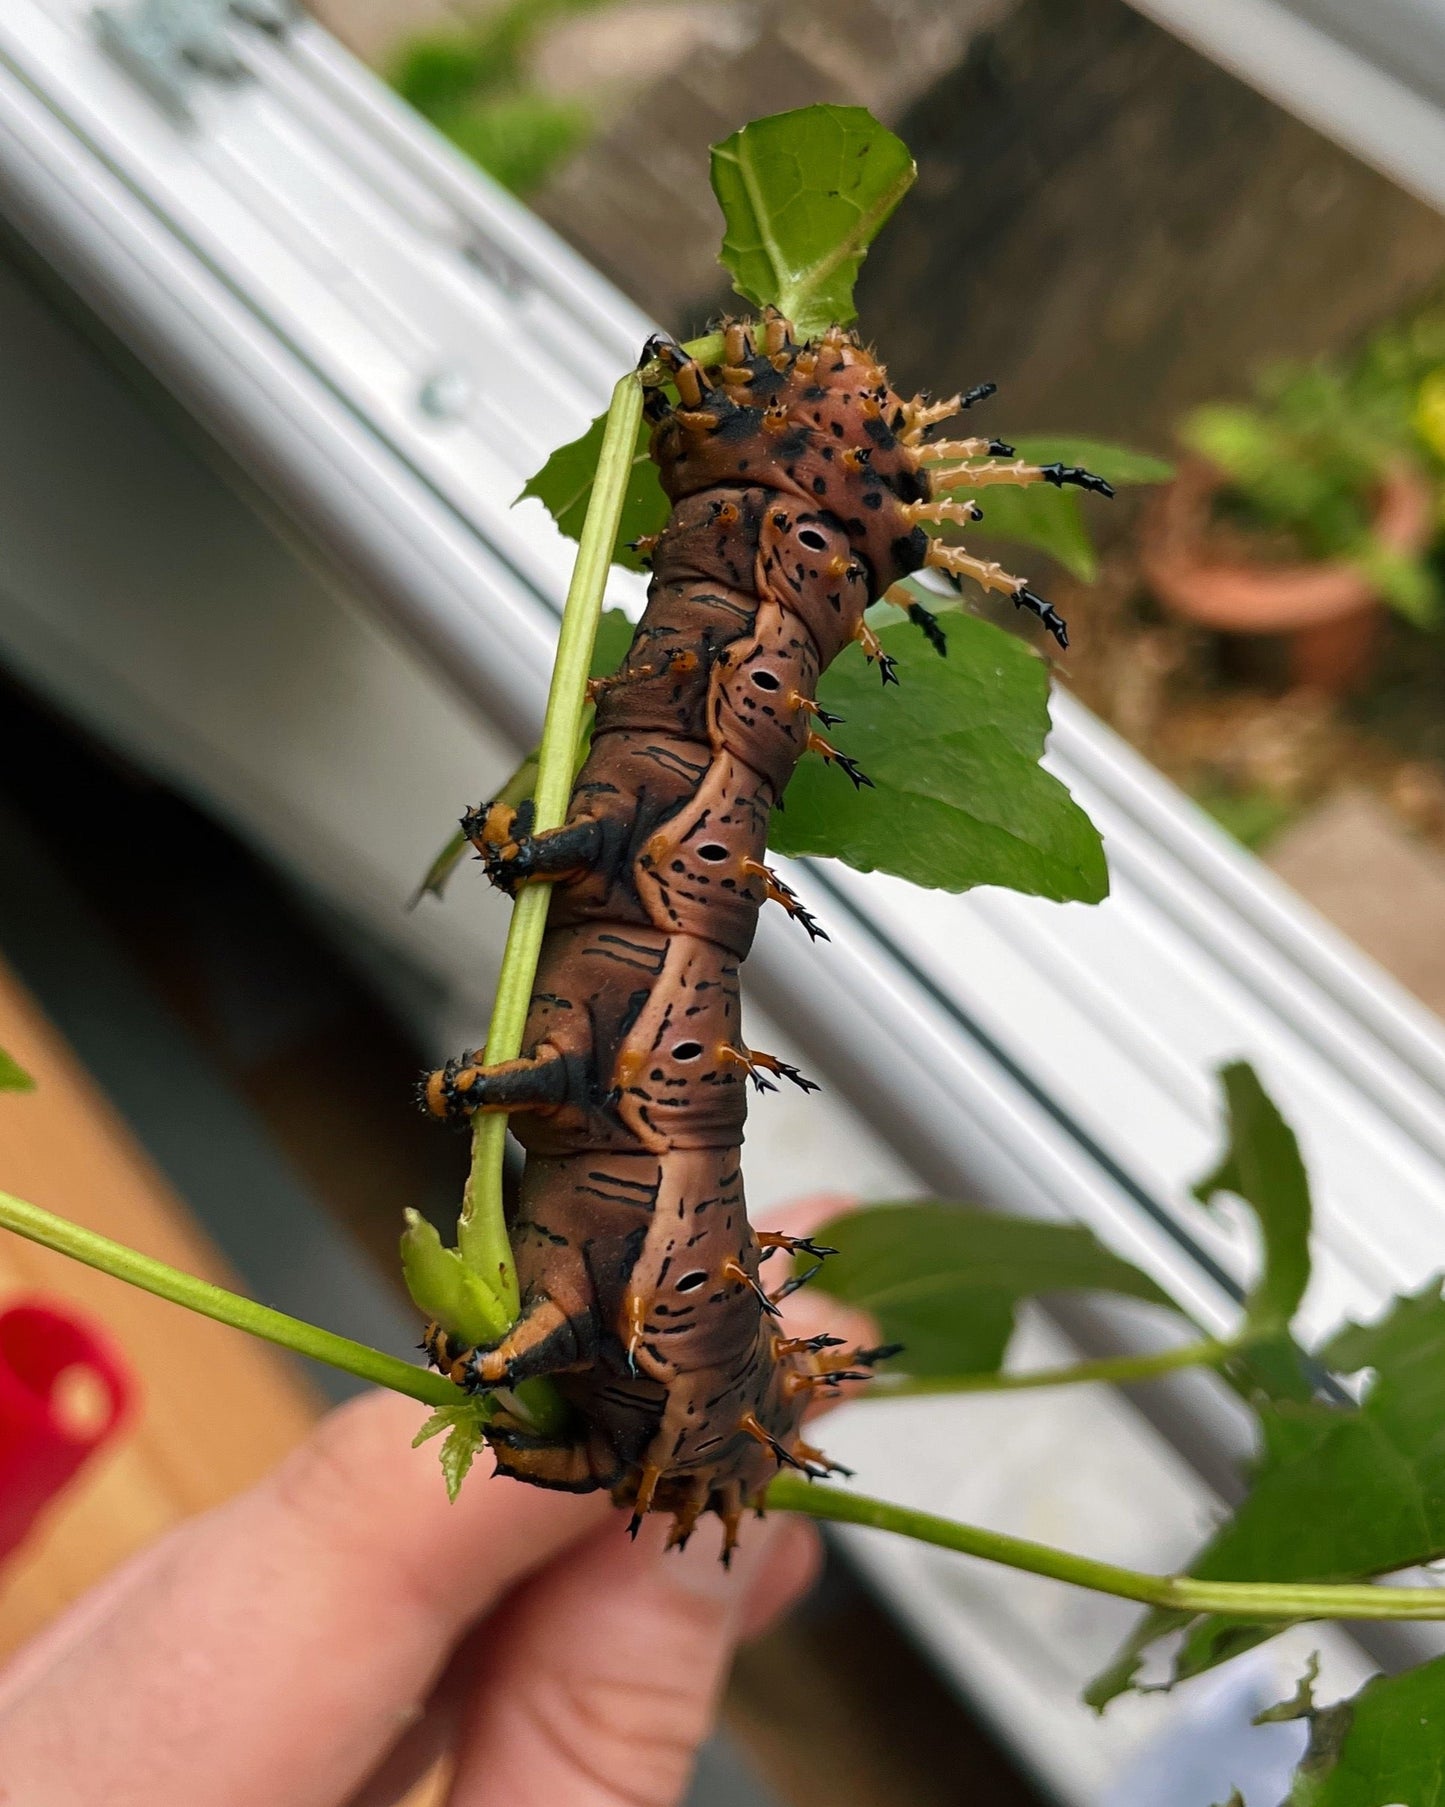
(475, 86)
(1305, 461)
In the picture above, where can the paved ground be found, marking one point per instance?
(1354, 862)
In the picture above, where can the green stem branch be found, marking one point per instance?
(1116, 1369)
(482, 1231)
(154, 1276)
(788, 1493)
(1266, 1600)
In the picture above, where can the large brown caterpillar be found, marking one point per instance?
(800, 486)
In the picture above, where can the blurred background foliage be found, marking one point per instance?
(476, 82)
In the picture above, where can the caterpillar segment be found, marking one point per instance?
(800, 487)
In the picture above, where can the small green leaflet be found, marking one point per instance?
(944, 1281)
(13, 1077)
(464, 1424)
(444, 1288)
(960, 798)
(803, 195)
(1337, 1493)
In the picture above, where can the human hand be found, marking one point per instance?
(322, 1639)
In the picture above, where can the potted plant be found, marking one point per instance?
(1302, 514)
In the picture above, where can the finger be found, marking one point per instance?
(277, 1647)
(603, 1674)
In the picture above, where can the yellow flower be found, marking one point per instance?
(1430, 411)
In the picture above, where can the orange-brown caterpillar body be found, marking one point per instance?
(800, 485)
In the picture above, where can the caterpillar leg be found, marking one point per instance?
(920, 414)
(688, 375)
(873, 652)
(512, 855)
(465, 1086)
(563, 1466)
(994, 470)
(546, 1339)
(775, 891)
(927, 622)
(758, 1063)
(686, 1512)
(769, 1241)
(990, 576)
(942, 449)
(816, 744)
(727, 1502)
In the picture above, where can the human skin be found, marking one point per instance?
(322, 1639)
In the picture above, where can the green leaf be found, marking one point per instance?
(614, 636)
(1052, 520)
(1386, 1744)
(944, 1281)
(1046, 519)
(13, 1077)
(1262, 1166)
(804, 194)
(1117, 464)
(1337, 1493)
(564, 488)
(960, 798)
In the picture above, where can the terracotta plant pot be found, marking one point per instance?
(1329, 610)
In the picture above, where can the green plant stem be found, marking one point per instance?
(154, 1276)
(482, 1229)
(788, 1493)
(1114, 1368)
(483, 1233)
(1267, 1600)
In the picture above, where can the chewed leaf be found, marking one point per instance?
(1262, 1166)
(944, 1281)
(804, 194)
(13, 1077)
(1385, 1744)
(959, 796)
(564, 488)
(1338, 1493)
(1117, 464)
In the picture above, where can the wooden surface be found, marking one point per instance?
(216, 1409)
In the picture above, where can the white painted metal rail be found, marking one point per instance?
(379, 347)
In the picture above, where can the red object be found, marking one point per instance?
(63, 1393)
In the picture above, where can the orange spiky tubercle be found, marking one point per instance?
(800, 487)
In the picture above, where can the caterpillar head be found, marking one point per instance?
(816, 422)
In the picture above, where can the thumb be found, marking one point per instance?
(603, 1673)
